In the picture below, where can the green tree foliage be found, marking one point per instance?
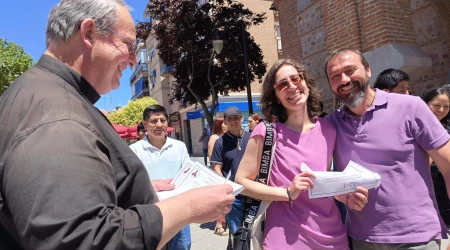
(131, 114)
(184, 30)
(13, 62)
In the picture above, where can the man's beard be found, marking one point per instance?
(354, 99)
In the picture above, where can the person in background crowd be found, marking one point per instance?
(393, 81)
(439, 102)
(226, 156)
(204, 139)
(320, 113)
(253, 120)
(219, 128)
(88, 190)
(446, 87)
(162, 157)
(141, 131)
(293, 221)
(401, 213)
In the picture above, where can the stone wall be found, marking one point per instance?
(411, 35)
(311, 28)
(288, 29)
(430, 30)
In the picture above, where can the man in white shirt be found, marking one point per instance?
(163, 157)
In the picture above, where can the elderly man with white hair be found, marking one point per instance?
(68, 181)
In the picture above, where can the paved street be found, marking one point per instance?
(203, 237)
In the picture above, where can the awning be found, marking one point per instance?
(130, 132)
(125, 131)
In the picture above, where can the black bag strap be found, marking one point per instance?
(251, 204)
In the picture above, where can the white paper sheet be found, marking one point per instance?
(327, 184)
(194, 175)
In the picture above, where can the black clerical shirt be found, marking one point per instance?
(67, 180)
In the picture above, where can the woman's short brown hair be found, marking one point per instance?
(217, 126)
(255, 117)
(271, 107)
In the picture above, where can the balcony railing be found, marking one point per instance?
(141, 67)
(138, 88)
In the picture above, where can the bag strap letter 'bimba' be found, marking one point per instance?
(251, 204)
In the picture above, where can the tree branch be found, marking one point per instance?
(208, 114)
(191, 80)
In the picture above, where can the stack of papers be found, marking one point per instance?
(195, 175)
(327, 184)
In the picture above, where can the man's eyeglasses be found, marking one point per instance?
(134, 45)
(295, 79)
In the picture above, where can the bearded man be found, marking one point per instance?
(393, 135)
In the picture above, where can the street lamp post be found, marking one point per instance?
(218, 46)
(247, 80)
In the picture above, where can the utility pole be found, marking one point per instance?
(247, 80)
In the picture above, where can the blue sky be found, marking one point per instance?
(23, 22)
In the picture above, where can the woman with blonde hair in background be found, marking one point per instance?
(219, 128)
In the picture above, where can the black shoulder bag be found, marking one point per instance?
(246, 236)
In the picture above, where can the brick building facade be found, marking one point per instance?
(410, 35)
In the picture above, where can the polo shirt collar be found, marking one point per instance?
(69, 75)
(381, 98)
(146, 144)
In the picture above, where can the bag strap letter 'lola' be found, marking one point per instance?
(251, 204)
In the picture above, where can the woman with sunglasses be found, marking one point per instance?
(438, 100)
(293, 221)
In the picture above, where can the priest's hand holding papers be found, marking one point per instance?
(194, 175)
(353, 182)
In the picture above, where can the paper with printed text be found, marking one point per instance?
(327, 184)
(195, 175)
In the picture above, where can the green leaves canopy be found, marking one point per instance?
(13, 62)
(184, 30)
(131, 114)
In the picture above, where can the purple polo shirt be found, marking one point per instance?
(391, 139)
